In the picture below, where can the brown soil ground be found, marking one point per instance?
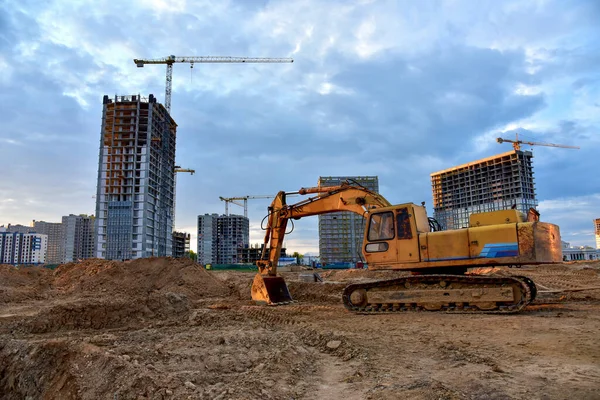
(167, 329)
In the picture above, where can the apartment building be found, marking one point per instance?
(23, 248)
(136, 179)
(499, 182)
(78, 237)
(181, 244)
(221, 238)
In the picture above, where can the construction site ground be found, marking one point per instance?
(168, 329)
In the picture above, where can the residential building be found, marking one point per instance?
(18, 228)
(55, 233)
(78, 237)
(207, 239)
(597, 232)
(251, 254)
(233, 233)
(494, 183)
(341, 233)
(221, 238)
(136, 179)
(181, 244)
(23, 248)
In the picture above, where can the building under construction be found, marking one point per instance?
(597, 232)
(221, 238)
(78, 231)
(499, 182)
(134, 200)
(181, 244)
(341, 233)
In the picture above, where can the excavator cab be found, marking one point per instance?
(392, 235)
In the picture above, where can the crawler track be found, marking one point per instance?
(447, 293)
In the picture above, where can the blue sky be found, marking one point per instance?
(397, 89)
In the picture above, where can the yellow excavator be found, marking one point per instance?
(402, 237)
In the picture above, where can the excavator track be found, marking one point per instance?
(447, 293)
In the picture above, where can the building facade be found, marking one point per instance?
(78, 237)
(136, 179)
(207, 239)
(341, 233)
(17, 228)
(181, 244)
(221, 238)
(233, 234)
(23, 248)
(55, 233)
(499, 182)
(251, 254)
(597, 232)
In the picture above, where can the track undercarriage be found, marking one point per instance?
(448, 293)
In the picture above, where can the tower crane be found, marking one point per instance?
(517, 143)
(177, 169)
(234, 200)
(170, 60)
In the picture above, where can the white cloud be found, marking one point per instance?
(377, 87)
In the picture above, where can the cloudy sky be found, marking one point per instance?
(397, 89)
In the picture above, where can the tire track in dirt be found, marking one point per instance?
(338, 357)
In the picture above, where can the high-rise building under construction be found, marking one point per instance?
(134, 199)
(597, 232)
(341, 233)
(499, 182)
(221, 238)
(78, 237)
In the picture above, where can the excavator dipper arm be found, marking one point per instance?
(268, 288)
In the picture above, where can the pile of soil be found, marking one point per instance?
(24, 284)
(92, 278)
(100, 278)
(100, 294)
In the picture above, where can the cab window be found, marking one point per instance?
(381, 226)
(404, 230)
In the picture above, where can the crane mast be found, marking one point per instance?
(170, 60)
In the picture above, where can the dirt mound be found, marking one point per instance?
(18, 284)
(317, 291)
(104, 314)
(137, 277)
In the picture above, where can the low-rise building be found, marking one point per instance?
(582, 253)
(23, 248)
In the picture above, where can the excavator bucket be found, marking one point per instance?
(270, 290)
